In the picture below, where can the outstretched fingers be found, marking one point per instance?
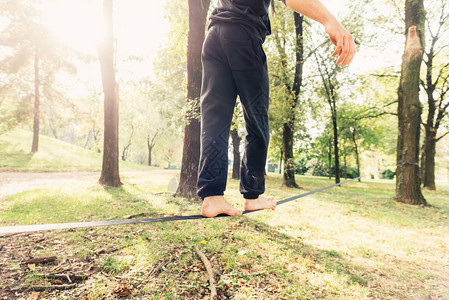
(345, 49)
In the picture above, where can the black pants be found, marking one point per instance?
(234, 63)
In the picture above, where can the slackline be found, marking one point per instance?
(56, 226)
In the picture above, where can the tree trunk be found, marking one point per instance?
(428, 152)
(357, 158)
(236, 139)
(346, 167)
(330, 159)
(408, 189)
(110, 169)
(289, 167)
(191, 148)
(150, 146)
(422, 170)
(289, 126)
(150, 151)
(429, 159)
(335, 130)
(280, 162)
(125, 152)
(35, 145)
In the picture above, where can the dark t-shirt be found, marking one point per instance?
(252, 14)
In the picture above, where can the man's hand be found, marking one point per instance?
(344, 41)
(339, 36)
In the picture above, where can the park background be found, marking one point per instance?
(353, 242)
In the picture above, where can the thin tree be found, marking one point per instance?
(151, 142)
(437, 100)
(408, 188)
(236, 139)
(110, 169)
(328, 74)
(292, 90)
(32, 45)
(36, 119)
(191, 148)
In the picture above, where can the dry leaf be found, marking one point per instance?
(56, 281)
(34, 296)
(32, 267)
(122, 291)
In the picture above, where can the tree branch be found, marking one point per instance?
(438, 139)
(210, 272)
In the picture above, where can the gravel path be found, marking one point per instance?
(16, 182)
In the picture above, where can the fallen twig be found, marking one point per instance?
(40, 288)
(40, 260)
(210, 272)
(66, 277)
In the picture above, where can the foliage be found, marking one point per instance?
(387, 174)
(22, 39)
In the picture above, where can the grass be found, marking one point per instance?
(53, 155)
(351, 242)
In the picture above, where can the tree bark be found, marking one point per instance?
(150, 146)
(434, 115)
(346, 167)
(280, 162)
(191, 148)
(125, 152)
(289, 167)
(357, 157)
(236, 139)
(289, 126)
(335, 130)
(330, 89)
(408, 189)
(110, 169)
(330, 159)
(429, 158)
(35, 145)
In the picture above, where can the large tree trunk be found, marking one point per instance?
(289, 127)
(35, 145)
(191, 149)
(408, 189)
(110, 169)
(236, 139)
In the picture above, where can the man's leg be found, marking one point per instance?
(253, 88)
(218, 96)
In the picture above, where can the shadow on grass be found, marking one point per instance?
(331, 260)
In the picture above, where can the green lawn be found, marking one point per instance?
(53, 155)
(351, 242)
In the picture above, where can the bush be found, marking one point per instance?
(387, 174)
(301, 166)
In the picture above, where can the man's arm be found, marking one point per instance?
(339, 36)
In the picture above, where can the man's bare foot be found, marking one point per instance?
(215, 205)
(262, 202)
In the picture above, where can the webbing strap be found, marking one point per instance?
(57, 226)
